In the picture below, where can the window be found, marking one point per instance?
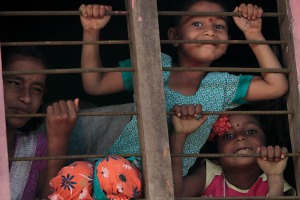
(145, 47)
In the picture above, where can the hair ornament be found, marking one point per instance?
(221, 126)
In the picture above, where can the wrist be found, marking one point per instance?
(90, 35)
(254, 36)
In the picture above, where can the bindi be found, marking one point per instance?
(210, 19)
(237, 125)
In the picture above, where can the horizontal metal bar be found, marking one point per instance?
(66, 43)
(182, 13)
(52, 13)
(116, 13)
(72, 70)
(202, 155)
(130, 69)
(115, 42)
(223, 42)
(261, 112)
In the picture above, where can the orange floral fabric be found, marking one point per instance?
(118, 178)
(73, 182)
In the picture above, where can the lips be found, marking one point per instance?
(243, 150)
(19, 110)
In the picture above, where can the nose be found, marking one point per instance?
(240, 138)
(209, 31)
(24, 95)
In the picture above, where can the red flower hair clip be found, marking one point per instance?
(221, 126)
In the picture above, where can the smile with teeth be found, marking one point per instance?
(243, 150)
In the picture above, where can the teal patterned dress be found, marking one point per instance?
(218, 91)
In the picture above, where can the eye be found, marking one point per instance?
(38, 90)
(220, 26)
(198, 24)
(251, 132)
(13, 83)
(227, 136)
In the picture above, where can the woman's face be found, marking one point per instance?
(23, 93)
(244, 137)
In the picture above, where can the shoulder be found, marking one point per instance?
(166, 60)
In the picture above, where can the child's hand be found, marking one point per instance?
(273, 160)
(61, 118)
(93, 16)
(185, 121)
(250, 23)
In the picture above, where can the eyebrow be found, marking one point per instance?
(217, 17)
(20, 78)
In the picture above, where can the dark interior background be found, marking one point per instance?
(68, 28)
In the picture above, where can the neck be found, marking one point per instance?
(185, 61)
(243, 179)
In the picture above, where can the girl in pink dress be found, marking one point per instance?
(229, 176)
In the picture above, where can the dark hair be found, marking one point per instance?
(184, 5)
(8, 55)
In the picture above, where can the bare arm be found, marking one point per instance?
(61, 118)
(268, 85)
(273, 161)
(93, 19)
(185, 123)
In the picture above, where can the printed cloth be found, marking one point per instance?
(73, 182)
(117, 178)
(218, 91)
(113, 178)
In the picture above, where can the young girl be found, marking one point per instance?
(232, 176)
(23, 95)
(215, 91)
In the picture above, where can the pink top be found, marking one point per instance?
(217, 186)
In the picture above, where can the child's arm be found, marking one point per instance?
(61, 118)
(93, 19)
(269, 85)
(185, 123)
(273, 161)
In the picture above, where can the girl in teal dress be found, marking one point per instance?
(215, 91)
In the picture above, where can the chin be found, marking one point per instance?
(16, 123)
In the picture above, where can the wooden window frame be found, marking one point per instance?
(149, 98)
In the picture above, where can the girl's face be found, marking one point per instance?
(23, 93)
(244, 137)
(201, 28)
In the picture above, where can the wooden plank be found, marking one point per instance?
(149, 98)
(4, 171)
(288, 51)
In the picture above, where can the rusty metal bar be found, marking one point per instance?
(204, 155)
(261, 112)
(130, 69)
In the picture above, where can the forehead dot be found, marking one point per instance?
(210, 19)
(237, 125)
